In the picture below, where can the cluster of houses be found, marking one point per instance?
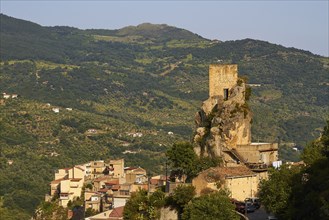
(8, 96)
(104, 185)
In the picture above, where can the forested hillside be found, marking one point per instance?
(149, 80)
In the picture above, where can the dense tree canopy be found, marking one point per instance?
(142, 206)
(301, 192)
(183, 159)
(213, 206)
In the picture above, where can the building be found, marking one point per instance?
(67, 184)
(240, 181)
(135, 175)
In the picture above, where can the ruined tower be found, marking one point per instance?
(223, 129)
(222, 78)
(224, 119)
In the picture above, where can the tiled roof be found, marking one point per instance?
(56, 181)
(103, 190)
(115, 187)
(112, 182)
(130, 168)
(98, 179)
(226, 172)
(154, 181)
(117, 212)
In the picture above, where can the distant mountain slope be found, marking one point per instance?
(168, 59)
(161, 32)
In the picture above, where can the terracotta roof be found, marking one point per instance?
(154, 181)
(226, 172)
(98, 179)
(115, 187)
(56, 181)
(112, 182)
(117, 212)
(103, 190)
(130, 168)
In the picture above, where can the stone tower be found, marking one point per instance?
(224, 119)
(222, 78)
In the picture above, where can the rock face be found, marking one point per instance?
(224, 119)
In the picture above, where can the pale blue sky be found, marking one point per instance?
(299, 24)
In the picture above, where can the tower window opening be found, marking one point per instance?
(225, 94)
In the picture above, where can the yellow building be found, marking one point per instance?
(97, 168)
(68, 184)
(117, 167)
(240, 181)
(135, 175)
(93, 200)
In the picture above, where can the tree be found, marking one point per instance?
(313, 152)
(183, 160)
(311, 197)
(142, 206)
(90, 212)
(213, 206)
(275, 193)
(180, 197)
(301, 192)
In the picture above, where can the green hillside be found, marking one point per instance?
(148, 79)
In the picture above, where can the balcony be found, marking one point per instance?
(64, 196)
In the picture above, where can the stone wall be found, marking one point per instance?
(265, 153)
(242, 187)
(240, 181)
(222, 77)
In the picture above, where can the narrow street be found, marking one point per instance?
(259, 214)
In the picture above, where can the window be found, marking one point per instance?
(225, 94)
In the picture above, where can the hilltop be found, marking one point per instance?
(148, 79)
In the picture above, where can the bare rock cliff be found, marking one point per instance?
(223, 124)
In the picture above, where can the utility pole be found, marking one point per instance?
(167, 182)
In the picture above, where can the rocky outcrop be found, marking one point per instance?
(221, 124)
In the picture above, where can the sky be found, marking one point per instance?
(300, 24)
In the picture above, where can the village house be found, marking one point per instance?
(135, 175)
(93, 201)
(114, 214)
(240, 181)
(67, 184)
(6, 96)
(56, 110)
